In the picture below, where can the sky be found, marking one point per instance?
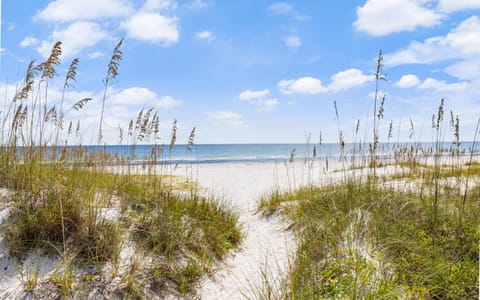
(254, 71)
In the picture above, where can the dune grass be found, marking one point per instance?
(68, 202)
(405, 226)
(360, 242)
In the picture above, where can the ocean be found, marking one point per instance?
(228, 153)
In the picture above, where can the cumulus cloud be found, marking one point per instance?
(348, 79)
(380, 17)
(460, 47)
(74, 10)
(408, 81)
(152, 27)
(205, 35)
(465, 69)
(261, 98)
(432, 84)
(460, 42)
(443, 86)
(168, 102)
(304, 85)
(29, 41)
(293, 42)
(148, 23)
(450, 6)
(343, 80)
(249, 95)
(75, 38)
(140, 96)
(227, 118)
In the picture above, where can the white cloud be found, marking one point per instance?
(75, 38)
(205, 35)
(226, 118)
(95, 54)
(443, 86)
(348, 79)
(133, 96)
(11, 26)
(461, 42)
(408, 81)
(249, 95)
(280, 8)
(450, 6)
(260, 98)
(431, 50)
(140, 96)
(438, 86)
(343, 80)
(28, 42)
(152, 27)
(293, 42)
(74, 10)
(382, 17)
(168, 102)
(465, 70)
(304, 85)
(465, 37)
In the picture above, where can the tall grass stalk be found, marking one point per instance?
(71, 76)
(112, 73)
(437, 124)
(378, 77)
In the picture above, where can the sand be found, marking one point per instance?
(268, 246)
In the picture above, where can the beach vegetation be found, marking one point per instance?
(402, 225)
(105, 219)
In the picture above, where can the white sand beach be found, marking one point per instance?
(268, 245)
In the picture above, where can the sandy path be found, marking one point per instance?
(266, 240)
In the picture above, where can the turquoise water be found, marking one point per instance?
(227, 153)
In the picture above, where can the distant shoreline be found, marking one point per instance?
(251, 153)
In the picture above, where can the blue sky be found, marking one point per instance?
(255, 71)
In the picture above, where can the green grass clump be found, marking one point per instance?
(185, 227)
(58, 207)
(361, 242)
(191, 224)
